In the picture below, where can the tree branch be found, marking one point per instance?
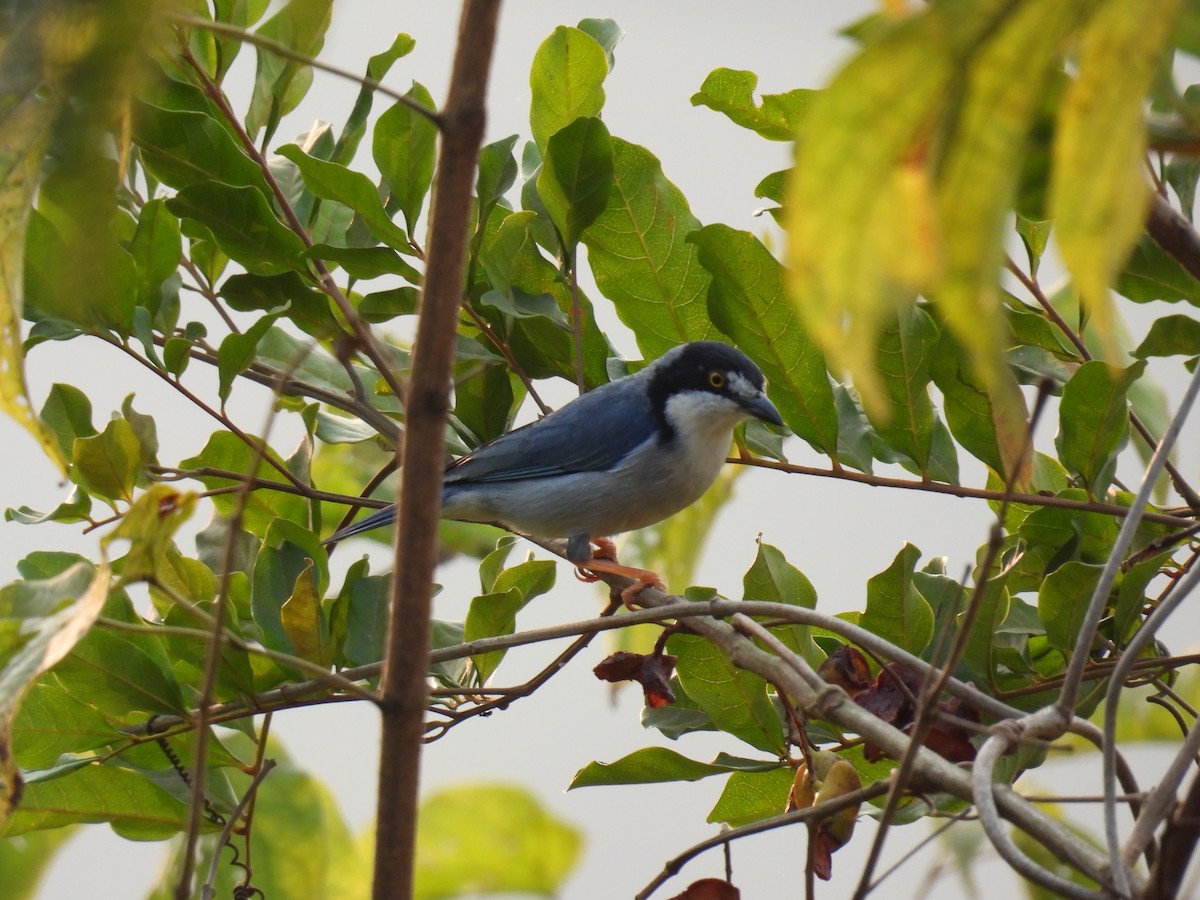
(404, 688)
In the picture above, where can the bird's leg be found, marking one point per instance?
(605, 560)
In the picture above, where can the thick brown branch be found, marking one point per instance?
(404, 688)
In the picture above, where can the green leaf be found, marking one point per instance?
(458, 853)
(495, 612)
(183, 147)
(1099, 195)
(606, 33)
(76, 508)
(1153, 274)
(772, 578)
(566, 81)
(1063, 602)
(639, 258)
(40, 621)
(156, 248)
(731, 91)
(1094, 421)
(356, 123)
(25, 861)
(905, 362)
(577, 172)
(238, 351)
(366, 623)
(107, 463)
(1034, 235)
(735, 699)
(747, 302)
(896, 610)
(331, 181)
(366, 262)
(280, 83)
(227, 452)
(497, 174)
(982, 647)
(751, 796)
(244, 226)
(135, 808)
(653, 765)
(1168, 336)
(403, 146)
(287, 552)
(124, 676)
(68, 414)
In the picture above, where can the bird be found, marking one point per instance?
(620, 457)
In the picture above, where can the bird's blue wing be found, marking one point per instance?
(592, 433)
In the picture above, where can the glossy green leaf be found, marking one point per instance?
(895, 609)
(516, 267)
(731, 91)
(331, 181)
(76, 508)
(244, 226)
(991, 609)
(747, 302)
(183, 147)
(653, 765)
(156, 249)
(735, 699)
(566, 81)
(1094, 421)
(639, 258)
(577, 172)
(751, 796)
(458, 853)
(403, 146)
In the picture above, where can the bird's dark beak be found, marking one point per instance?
(762, 408)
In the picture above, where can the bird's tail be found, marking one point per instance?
(377, 519)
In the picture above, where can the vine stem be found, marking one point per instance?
(404, 689)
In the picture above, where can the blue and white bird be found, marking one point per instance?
(623, 456)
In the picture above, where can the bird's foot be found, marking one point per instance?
(642, 578)
(605, 549)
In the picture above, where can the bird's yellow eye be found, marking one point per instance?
(716, 380)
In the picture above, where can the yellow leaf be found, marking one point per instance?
(1100, 193)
